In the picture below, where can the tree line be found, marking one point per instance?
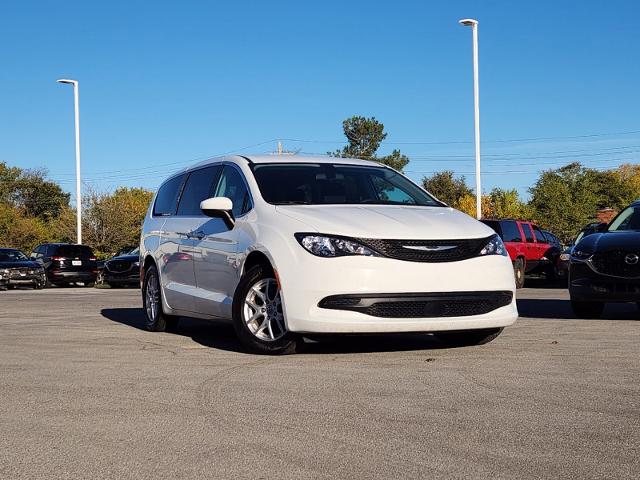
(35, 209)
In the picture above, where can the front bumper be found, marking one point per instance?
(311, 279)
(129, 278)
(17, 278)
(61, 276)
(587, 285)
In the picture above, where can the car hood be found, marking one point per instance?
(604, 242)
(126, 258)
(387, 221)
(20, 264)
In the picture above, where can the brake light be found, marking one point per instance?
(58, 259)
(92, 259)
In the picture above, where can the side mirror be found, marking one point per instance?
(601, 227)
(218, 207)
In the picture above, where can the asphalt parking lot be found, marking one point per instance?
(86, 393)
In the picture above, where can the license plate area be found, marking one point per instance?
(76, 263)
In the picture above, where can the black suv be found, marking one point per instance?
(17, 269)
(66, 263)
(605, 267)
(123, 269)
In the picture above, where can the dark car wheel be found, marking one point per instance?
(468, 338)
(518, 272)
(587, 309)
(156, 319)
(258, 317)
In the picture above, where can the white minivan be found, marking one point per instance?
(284, 246)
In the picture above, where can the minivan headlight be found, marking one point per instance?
(328, 246)
(494, 246)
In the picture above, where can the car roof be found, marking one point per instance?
(284, 159)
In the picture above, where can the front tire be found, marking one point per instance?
(258, 317)
(587, 309)
(156, 319)
(467, 338)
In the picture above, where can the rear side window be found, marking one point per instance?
(198, 188)
(167, 198)
(510, 232)
(73, 251)
(527, 232)
(540, 238)
(231, 185)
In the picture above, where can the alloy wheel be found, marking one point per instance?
(152, 299)
(262, 310)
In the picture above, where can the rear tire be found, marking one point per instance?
(518, 272)
(257, 314)
(156, 319)
(467, 338)
(587, 309)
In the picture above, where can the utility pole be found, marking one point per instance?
(469, 22)
(76, 104)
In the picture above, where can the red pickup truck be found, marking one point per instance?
(528, 247)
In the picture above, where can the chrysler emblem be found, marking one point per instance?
(631, 259)
(425, 248)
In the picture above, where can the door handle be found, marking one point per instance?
(198, 235)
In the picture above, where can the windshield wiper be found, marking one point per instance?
(293, 202)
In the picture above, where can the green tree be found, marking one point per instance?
(364, 136)
(507, 204)
(565, 199)
(113, 220)
(447, 188)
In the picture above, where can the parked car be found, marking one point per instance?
(16, 269)
(294, 246)
(553, 254)
(529, 249)
(562, 268)
(122, 269)
(67, 263)
(605, 266)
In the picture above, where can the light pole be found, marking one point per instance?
(77, 125)
(469, 22)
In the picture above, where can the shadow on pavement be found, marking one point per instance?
(222, 336)
(558, 309)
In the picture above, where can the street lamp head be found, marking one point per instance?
(66, 80)
(468, 22)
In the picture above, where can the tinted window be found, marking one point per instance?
(540, 238)
(510, 232)
(324, 183)
(231, 185)
(495, 225)
(12, 256)
(629, 219)
(527, 232)
(167, 197)
(198, 188)
(73, 251)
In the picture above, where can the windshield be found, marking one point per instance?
(330, 184)
(12, 256)
(74, 251)
(629, 219)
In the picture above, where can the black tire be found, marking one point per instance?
(550, 274)
(40, 285)
(159, 321)
(467, 338)
(286, 343)
(518, 272)
(587, 309)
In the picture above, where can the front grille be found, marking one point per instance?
(17, 273)
(434, 251)
(420, 305)
(613, 263)
(118, 266)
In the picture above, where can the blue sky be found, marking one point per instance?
(165, 83)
